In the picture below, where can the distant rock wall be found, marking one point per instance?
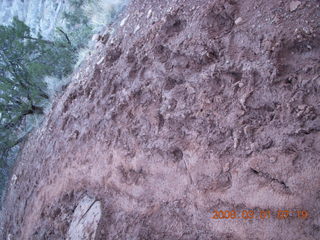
(40, 15)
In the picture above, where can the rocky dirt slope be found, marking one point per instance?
(190, 107)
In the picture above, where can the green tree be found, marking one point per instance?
(77, 24)
(24, 62)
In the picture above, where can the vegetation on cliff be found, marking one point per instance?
(25, 60)
(33, 68)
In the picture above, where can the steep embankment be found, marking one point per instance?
(190, 107)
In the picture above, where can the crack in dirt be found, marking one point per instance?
(270, 178)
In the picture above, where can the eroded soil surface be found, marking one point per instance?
(190, 106)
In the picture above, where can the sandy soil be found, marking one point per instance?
(189, 107)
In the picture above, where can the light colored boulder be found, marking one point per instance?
(85, 220)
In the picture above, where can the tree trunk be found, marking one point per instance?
(36, 110)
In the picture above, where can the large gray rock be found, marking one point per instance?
(85, 219)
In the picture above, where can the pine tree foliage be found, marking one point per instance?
(25, 60)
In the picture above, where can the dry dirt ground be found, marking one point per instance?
(190, 106)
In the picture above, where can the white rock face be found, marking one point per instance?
(41, 15)
(85, 220)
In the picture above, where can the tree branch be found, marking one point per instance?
(65, 35)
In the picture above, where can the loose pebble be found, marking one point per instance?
(238, 20)
(124, 21)
(273, 159)
(294, 5)
(136, 29)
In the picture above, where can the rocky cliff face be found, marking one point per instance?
(41, 15)
(189, 107)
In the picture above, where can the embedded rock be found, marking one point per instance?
(85, 219)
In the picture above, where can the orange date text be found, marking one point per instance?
(258, 214)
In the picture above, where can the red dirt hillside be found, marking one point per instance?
(189, 107)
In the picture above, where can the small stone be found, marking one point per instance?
(275, 20)
(294, 5)
(149, 13)
(226, 167)
(14, 179)
(273, 159)
(247, 131)
(95, 37)
(136, 29)
(124, 21)
(302, 107)
(236, 142)
(100, 61)
(238, 20)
